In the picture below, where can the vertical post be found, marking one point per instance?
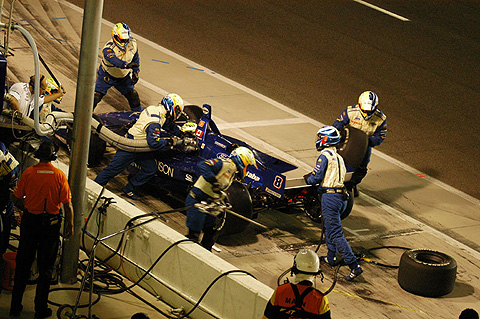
(92, 19)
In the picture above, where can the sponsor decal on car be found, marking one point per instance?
(222, 156)
(220, 144)
(272, 192)
(253, 176)
(165, 169)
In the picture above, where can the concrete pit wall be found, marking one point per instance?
(184, 272)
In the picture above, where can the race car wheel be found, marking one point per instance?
(349, 207)
(194, 112)
(96, 150)
(313, 207)
(427, 273)
(353, 146)
(239, 197)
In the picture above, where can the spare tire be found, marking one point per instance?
(427, 272)
(353, 146)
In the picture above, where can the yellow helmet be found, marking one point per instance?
(121, 35)
(243, 157)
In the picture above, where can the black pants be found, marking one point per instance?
(37, 236)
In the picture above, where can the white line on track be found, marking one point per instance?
(382, 10)
(304, 119)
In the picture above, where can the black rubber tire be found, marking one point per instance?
(349, 207)
(314, 207)
(353, 146)
(96, 150)
(194, 113)
(239, 197)
(427, 272)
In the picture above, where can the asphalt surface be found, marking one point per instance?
(318, 56)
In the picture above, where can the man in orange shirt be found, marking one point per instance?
(299, 299)
(40, 191)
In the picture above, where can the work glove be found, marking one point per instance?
(306, 176)
(216, 187)
(131, 65)
(176, 142)
(135, 77)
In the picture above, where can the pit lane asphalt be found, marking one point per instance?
(267, 255)
(318, 56)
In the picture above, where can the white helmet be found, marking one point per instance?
(368, 102)
(306, 262)
(243, 157)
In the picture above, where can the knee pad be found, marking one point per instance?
(134, 101)
(97, 97)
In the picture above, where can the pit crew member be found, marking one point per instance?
(149, 126)
(299, 299)
(329, 175)
(215, 175)
(366, 117)
(119, 68)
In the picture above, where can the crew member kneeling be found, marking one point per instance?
(299, 299)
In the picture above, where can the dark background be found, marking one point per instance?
(318, 56)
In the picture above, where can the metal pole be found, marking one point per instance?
(92, 19)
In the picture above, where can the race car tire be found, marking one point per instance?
(194, 112)
(313, 207)
(239, 197)
(353, 146)
(96, 150)
(349, 207)
(427, 272)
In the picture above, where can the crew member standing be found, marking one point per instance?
(329, 175)
(40, 191)
(366, 117)
(149, 126)
(119, 68)
(300, 299)
(215, 175)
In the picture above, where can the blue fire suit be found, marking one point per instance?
(375, 128)
(115, 71)
(216, 172)
(329, 175)
(149, 125)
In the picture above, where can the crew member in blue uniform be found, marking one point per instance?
(120, 67)
(366, 117)
(215, 175)
(329, 175)
(149, 126)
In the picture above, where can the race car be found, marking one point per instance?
(262, 188)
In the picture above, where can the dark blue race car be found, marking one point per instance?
(262, 188)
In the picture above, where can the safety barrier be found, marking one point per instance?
(183, 273)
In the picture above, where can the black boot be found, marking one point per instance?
(194, 236)
(209, 238)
